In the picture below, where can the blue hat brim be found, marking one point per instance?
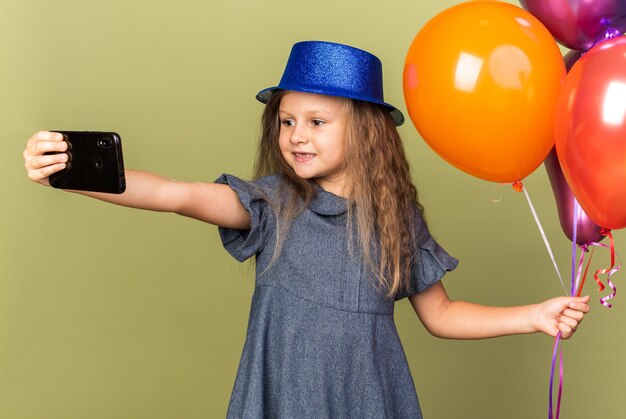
(398, 118)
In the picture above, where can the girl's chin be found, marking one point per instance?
(304, 174)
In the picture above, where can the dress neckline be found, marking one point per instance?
(327, 203)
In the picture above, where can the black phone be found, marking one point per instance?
(95, 163)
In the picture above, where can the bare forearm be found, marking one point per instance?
(46, 153)
(143, 190)
(209, 202)
(462, 320)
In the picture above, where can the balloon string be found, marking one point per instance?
(574, 240)
(584, 249)
(543, 234)
(552, 369)
(558, 405)
(575, 276)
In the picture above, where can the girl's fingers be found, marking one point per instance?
(40, 167)
(570, 322)
(37, 148)
(45, 155)
(574, 314)
(38, 162)
(565, 330)
(44, 142)
(579, 306)
(46, 136)
(41, 175)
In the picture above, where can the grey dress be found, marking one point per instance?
(321, 340)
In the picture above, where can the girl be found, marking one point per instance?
(338, 235)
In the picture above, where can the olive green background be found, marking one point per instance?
(109, 312)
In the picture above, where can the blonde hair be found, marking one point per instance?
(382, 200)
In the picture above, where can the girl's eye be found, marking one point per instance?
(318, 122)
(287, 122)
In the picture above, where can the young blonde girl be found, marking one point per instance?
(338, 235)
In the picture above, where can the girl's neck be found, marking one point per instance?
(336, 187)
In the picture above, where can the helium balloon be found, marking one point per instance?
(481, 81)
(586, 230)
(590, 132)
(580, 24)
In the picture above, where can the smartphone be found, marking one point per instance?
(95, 163)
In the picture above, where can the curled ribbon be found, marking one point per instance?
(608, 271)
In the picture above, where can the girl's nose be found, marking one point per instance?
(298, 135)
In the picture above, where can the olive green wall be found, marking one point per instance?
(108, 312)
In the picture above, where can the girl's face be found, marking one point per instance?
(312, 137)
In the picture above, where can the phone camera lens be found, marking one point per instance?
(104, 143)
(99, 163)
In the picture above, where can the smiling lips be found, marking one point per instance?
(303, 157)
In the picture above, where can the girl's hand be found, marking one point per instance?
(561, 314)
(40, 165)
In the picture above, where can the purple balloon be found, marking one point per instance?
(580, 24)
(586, 230)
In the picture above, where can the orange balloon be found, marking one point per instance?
(481, 83)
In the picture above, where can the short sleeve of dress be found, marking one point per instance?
(243, 244)
(431, 264)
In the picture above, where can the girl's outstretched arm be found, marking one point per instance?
(460, 320)
(209, 202)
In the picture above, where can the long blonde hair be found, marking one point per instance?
(382, 199)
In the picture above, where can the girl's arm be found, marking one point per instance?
(460, 320)
(209, 202)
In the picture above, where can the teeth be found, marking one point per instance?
(303, 154)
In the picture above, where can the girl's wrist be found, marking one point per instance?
(534, 316)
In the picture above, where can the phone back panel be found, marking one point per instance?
(96, 163)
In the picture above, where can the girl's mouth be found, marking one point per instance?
(302, 157)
